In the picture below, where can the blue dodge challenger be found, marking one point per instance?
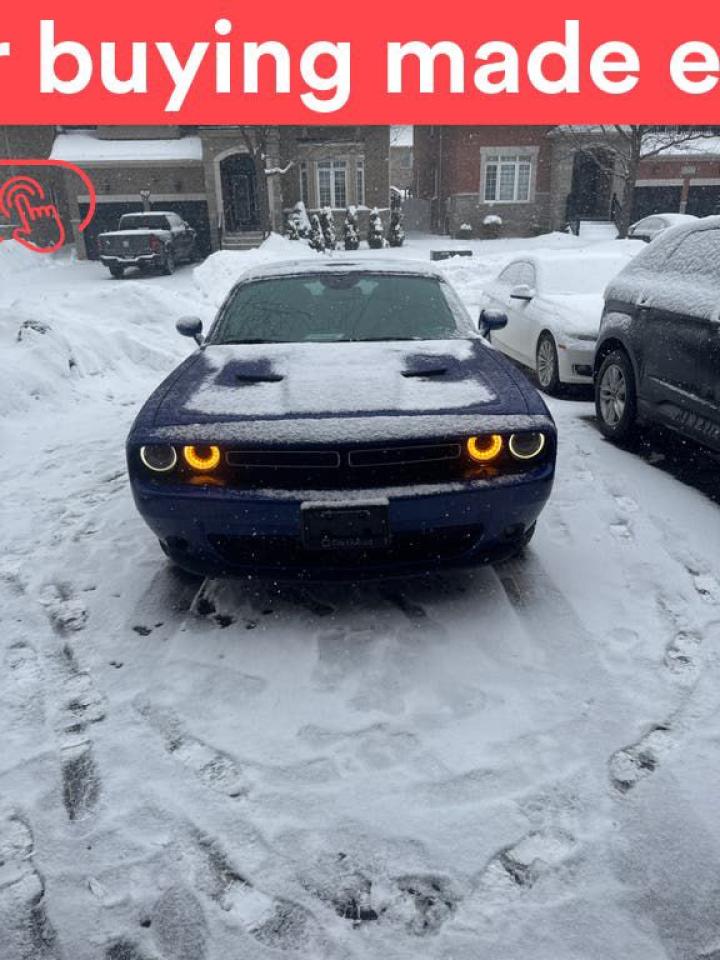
(341, 419)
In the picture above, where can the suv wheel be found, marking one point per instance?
(169, 263)
(117, 272)
(616, 396)
(546, 365)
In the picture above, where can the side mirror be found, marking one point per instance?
(492, 320)
(190, 327)
(522, 292)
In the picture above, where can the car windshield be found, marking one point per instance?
(339, 306)
(142, 222)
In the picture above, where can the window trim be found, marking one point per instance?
(488, 157)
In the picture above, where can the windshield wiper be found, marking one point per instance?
(382, 339)
(225, 343)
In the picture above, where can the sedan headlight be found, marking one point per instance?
(485, 448)
(202, 458)
(526, 446)
(158, 457)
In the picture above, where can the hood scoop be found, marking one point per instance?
(428, 372)
(248, 379)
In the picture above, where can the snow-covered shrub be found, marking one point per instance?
(492, 226)
(464, 231)
(351, 232)
(317, 239)
(301, 218)
(327, 223)
(396, 231)
(376, 234)
(291, 229)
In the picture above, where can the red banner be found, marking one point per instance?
(224, 62)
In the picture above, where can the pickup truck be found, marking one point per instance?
(158, 239)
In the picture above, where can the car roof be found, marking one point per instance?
(150, 213)
(335, 265)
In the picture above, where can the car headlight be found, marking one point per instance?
(526, 446)
(158, 457)
(485, 448)
(202, 458)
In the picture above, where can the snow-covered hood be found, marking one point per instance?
(577, 314)
(314, 383)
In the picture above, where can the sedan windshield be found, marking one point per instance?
(331, 307)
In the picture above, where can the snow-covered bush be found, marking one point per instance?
(317, 239)
(376, 234)
(327, 223)
(291, 229)
(351, 232)
(464, 231)
(492, 226)
(302, 220)
(396, 231)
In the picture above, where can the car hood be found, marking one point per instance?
(578, 314)
(373, 384)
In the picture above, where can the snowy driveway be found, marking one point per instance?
(510, 763)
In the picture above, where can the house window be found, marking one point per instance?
(331, 183)
(304, 189)
(507, 178)
(360, 181)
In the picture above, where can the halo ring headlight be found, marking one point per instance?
(526, 446)
(203, 458)
(158, 457)
(485, 448)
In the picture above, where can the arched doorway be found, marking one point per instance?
(239, 194)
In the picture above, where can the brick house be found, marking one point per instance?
(535, 180)
(208, 174)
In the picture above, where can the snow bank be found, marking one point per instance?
(104, 338)
(14, 258)
(216, 276)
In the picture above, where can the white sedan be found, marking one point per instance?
(553, 302)
(649, 227)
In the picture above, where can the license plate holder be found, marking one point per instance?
(360, 526)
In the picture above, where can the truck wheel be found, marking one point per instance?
(616, 396)
(169, 263)
(117, 272)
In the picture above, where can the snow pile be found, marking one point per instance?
(54, 346)
(14, 258)
(217, 275)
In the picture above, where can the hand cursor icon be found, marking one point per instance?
(40, 228)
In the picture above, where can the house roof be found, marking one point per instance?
(85, 147)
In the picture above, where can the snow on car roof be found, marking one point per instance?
(286, 268)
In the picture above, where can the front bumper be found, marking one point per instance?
(575, 360)
(234, 532)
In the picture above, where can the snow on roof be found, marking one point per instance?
(83, 146)
(401, 136)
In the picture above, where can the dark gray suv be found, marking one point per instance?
(658, 354)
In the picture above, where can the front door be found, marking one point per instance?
(682, 336)
(238, 183)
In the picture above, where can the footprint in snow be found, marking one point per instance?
(523, 864)
(632, 764)
(682, 653)
(26, 929)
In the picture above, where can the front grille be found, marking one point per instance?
(345, 467)
(443, 544)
